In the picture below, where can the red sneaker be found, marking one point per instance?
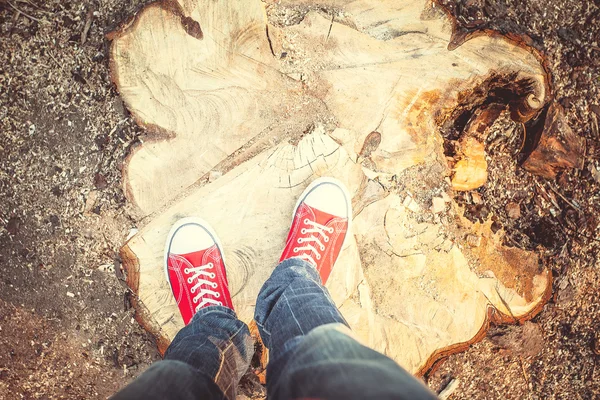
(321, 220)
(195, 267)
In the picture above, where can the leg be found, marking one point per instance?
(291, 303)
(172, 380)
(206, 360)
(312, 351)
(208, 357)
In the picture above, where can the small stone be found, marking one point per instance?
(90, 201)
(13, 225)
(119, 107)
(54, 220)
(476, 197)
(106, 268)
(100, 181)
(214, 175)
(513, 210)
(70, 294)
(438, 205)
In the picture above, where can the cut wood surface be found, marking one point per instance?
(244, 109)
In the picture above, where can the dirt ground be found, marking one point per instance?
(66, 326)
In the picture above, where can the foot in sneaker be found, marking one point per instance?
(195, 267)
(320, 223)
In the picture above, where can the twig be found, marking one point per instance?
(59, 65)
(565, 199)
(27, 15)
(547, 195)
(34, 6)
(88, 24)
(523, 370)
(117, 126)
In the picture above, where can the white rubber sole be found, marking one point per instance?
(189, 221)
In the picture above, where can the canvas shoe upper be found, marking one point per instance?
(320, 223)
(195, 267)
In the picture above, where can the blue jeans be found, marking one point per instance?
(312, 353)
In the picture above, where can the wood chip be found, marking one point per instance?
(449, 389)
(90, 201)
(513, 210)
(438, 205)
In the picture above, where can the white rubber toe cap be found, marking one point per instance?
(330, 196)
(190, 237)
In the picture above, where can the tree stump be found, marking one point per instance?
(244, 108)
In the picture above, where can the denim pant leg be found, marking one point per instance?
(312, 351)
(291, 303)
(206, 360)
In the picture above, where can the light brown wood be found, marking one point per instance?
(470, 172)
(240, 130)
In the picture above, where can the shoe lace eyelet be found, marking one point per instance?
(330, 230)
(300, 240)
(326, 239)
(318, 256)
(212, 275)
(217, 295)
(214, 285)
(306, 220)
(295, 250)
(193, 290)
(195, 300)
(220, 303)
(303, 231)
(211, 265)
(186, 270)
(322, 248)
(189, 281)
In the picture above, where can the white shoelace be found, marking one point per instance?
(198, 272)
(309, 250)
